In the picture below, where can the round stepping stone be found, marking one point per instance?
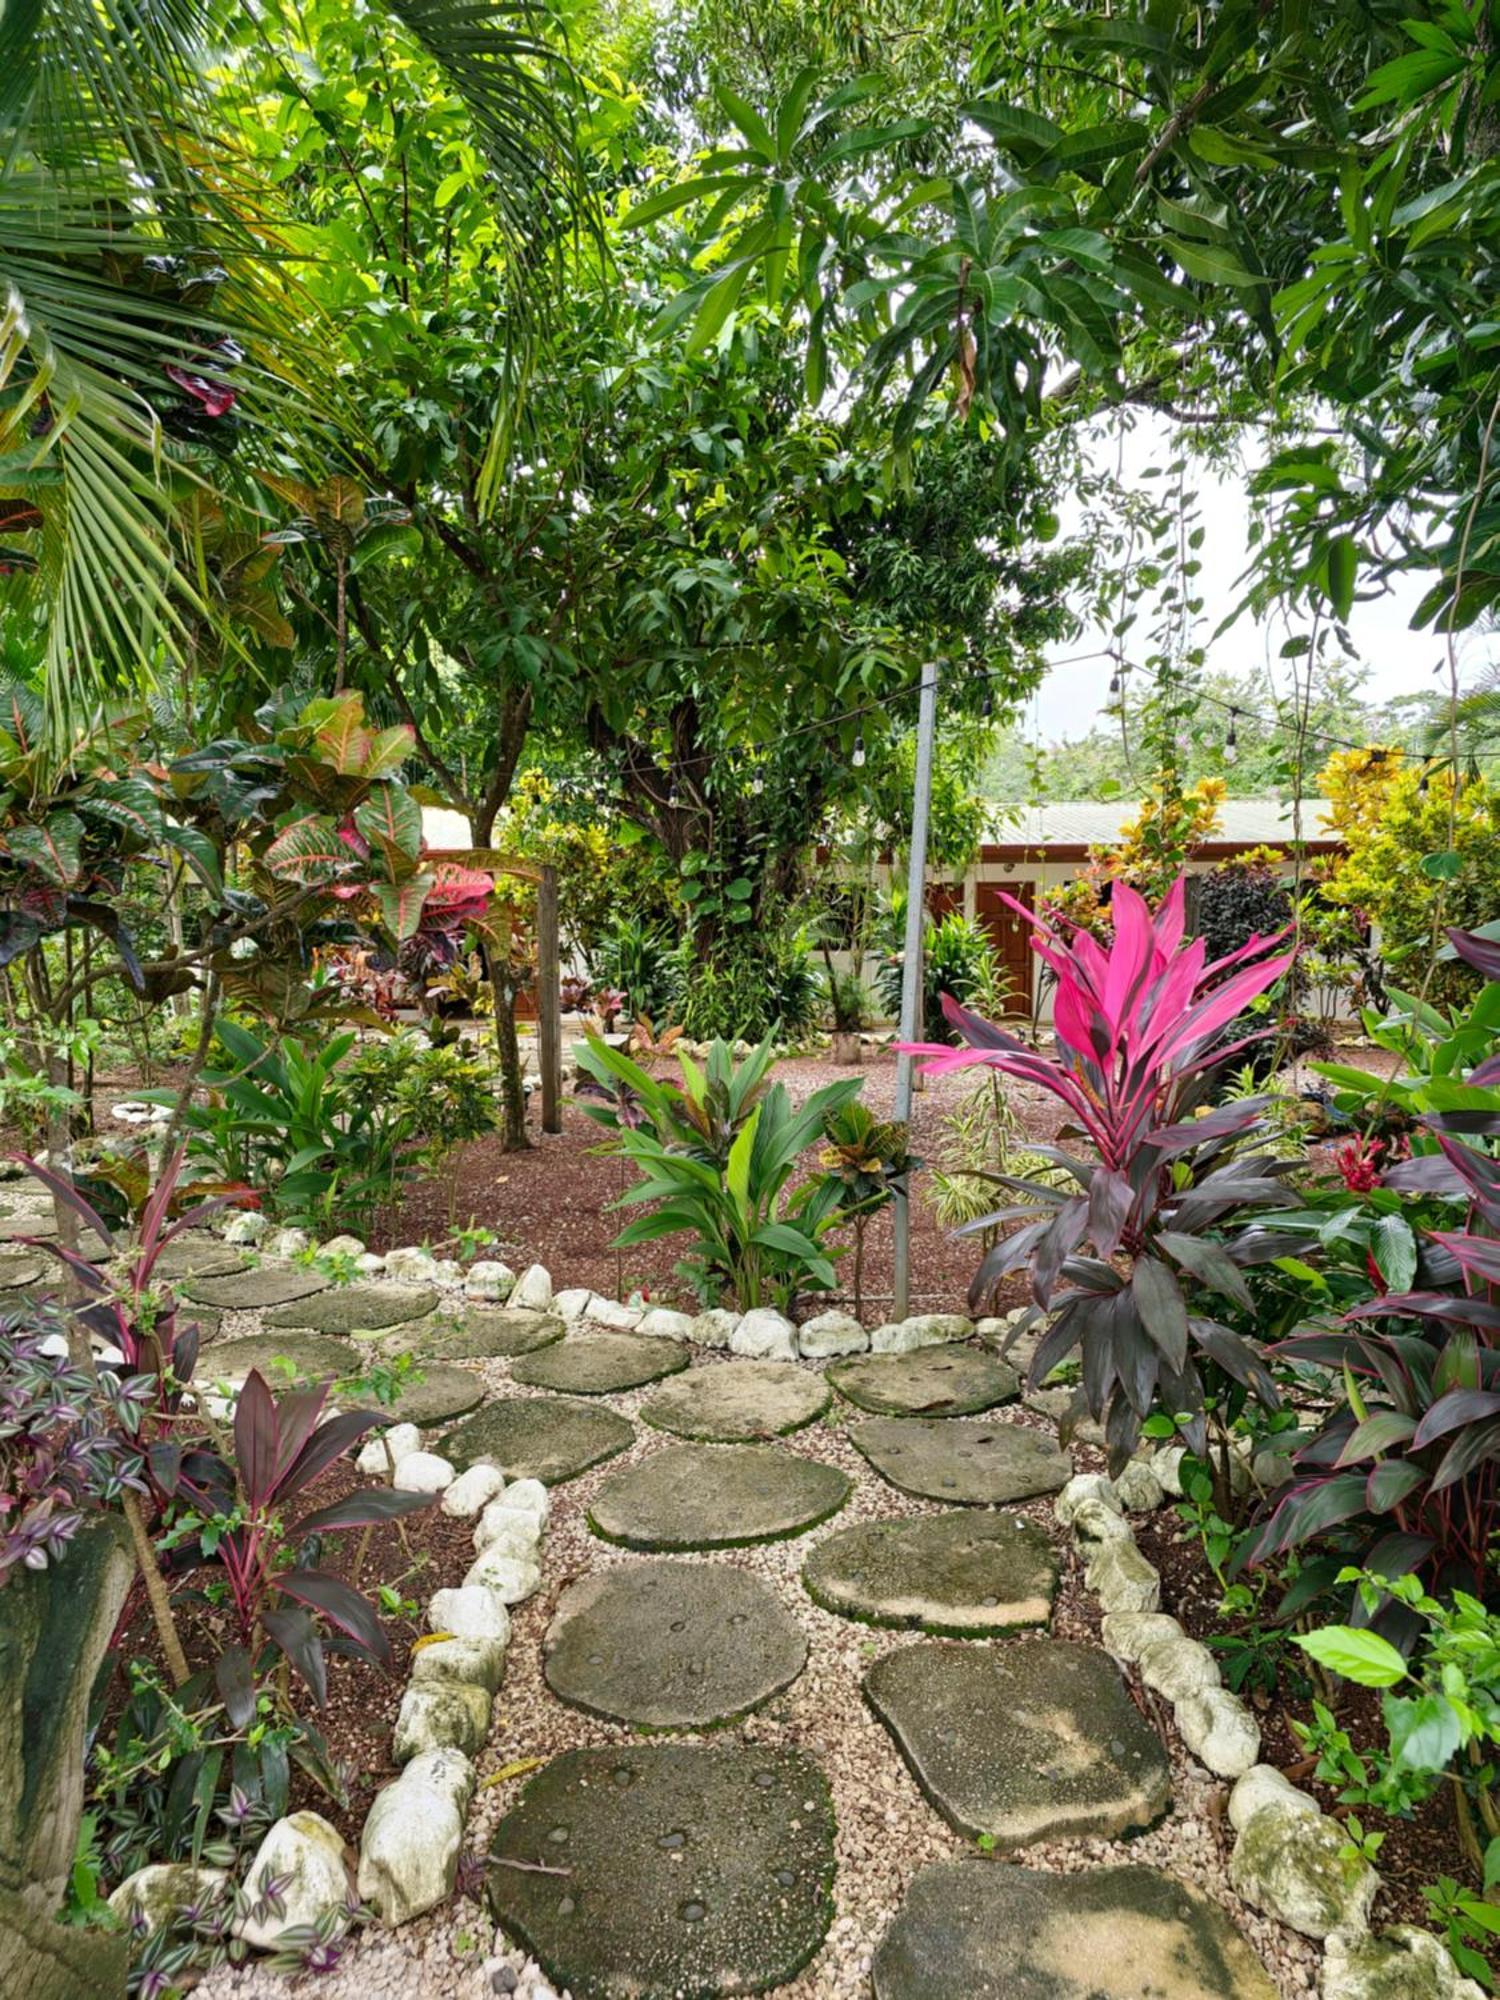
(19, 1268)
(250, 1291)
(200, 1256)
(443, 1393)
(1029, 1742)
(312, 1355)
(600, 1364)
(968, 1575)
(539, 1437)
(483, 1334)
(971, 1931)
(966, 1463)
(738, 1400)
(690, 1870)
(356, 1308)
(930, 1381)
(672, 1645)
(700, 1496)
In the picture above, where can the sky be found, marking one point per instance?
(1398, 660)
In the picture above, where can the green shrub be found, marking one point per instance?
(957, 958)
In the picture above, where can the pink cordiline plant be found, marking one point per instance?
(1145, 1236)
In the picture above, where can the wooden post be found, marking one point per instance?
(549, 1001)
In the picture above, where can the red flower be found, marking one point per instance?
(1358, 1164)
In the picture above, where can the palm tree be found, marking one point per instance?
(149, 319)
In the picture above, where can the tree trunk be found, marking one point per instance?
(513, 1134)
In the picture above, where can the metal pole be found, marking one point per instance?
(911, 964)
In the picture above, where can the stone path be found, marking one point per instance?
(355, 1308)
(765, 1601)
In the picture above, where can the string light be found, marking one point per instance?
(1114, 681)
(757, 784)
(1231, 740)
(987, 700)
(858, 758)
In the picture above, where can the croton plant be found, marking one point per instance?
(1131, 1251)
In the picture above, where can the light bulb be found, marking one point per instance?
(858, 758)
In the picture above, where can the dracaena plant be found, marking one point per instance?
(1134, 1253)
(236, 1505)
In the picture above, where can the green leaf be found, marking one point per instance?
(1356, 1654)
(1394, 1248)
(1343, 565)
(401, 905)
(391, 819)
(1445, 867)
(1424, 1732)
(1210, 263)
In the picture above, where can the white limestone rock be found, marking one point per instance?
(387, 1449)
(533, 1290)
(441, 1715)
(304, 1855)
(714, 1328)
(472, 1491)
(512, 1578)
(1178, 1667)
(408, 1851)
(664, 1324)
(1264, 1785)
(369, 1265)
(612, 1316)
(1299, 1868)
(411, 1265)
(1094, 1521)
(490, 1279)
(829, 1334)
(764, 1335)
(1123, 1579)
(469, 1612)
(573, 1304)
(423, 1472)
(1139, 1489)
(1086, 1486)
(286, 1243)
(532, 1495)
(1128, 1634)
(474, 1662)
(152, 1897)
(901, 1336)
(1219, 1730)
(1167, 1465)
(342, 1246)
(1402, 1963)
(509, 1531)
(246, 1225)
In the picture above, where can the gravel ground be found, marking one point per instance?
(886, 1829)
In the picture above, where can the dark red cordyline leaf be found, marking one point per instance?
(216, 398)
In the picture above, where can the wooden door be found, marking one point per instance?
(1010, 934)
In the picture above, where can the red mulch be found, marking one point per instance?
(362, 1699)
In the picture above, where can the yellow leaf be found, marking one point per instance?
(509, 1771)
(431, 1639)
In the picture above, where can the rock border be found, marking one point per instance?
(1290, 1858)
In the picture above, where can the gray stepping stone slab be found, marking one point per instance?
(693, 1870)
(356, 1308)
(930, 1381)
(444, 1392)
(250, 1291)
(738, 1400)
(969, 1930)
(601, 1364)
(966, 1574)
(19, 1268)
(200, 1256)
(539, 1437)
(704, 1496)
(671, 1645)
(1033, 1741)
(313, 1355)
(483, 1333)
(963, 1461)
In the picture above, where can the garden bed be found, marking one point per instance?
(357, 1722)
